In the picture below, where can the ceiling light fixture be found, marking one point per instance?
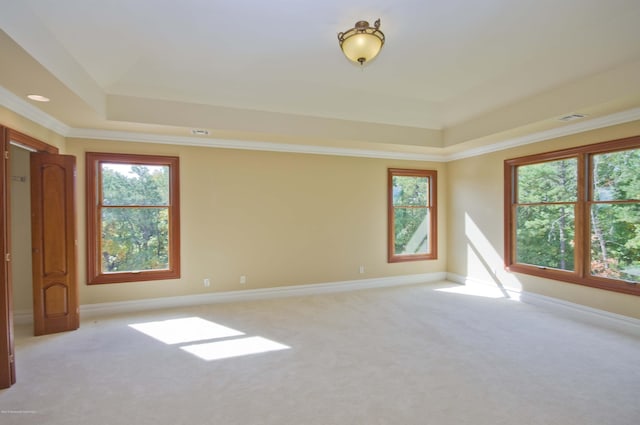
(362, 43)
(38, 98)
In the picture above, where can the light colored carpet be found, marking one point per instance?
(404, 355)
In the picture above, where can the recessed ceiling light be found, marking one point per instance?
(38, 98)
(572, 117)
(200, 132)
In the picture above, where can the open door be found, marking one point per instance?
(53, 224)
(7, 359)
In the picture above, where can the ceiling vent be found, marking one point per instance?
(200, 132)
(572, 117)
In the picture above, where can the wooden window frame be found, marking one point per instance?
(432, 206)
(582, 246)
(93, 178)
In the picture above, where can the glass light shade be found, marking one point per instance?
(361, 47)
(362, 43)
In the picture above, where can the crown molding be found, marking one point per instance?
(30, 112)
(567, 130)
(249, 145)
(25, 109)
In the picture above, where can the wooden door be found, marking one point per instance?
(53, 226)
(7, 360)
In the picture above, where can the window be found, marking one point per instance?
(574, 215)
(412, 215)
(133, 218)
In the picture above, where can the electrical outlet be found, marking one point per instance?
(361, 269)
(207, 282)
(243, 279)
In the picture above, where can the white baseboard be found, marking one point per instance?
(88, 311)
(22, 317)
(582, 312)
(585, 313)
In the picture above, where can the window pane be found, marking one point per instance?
(410, 191)
(616, 175)
(128, 184)
(411, 231)
(545, 236)
(134, 239)
(554, 181)
(615, 241)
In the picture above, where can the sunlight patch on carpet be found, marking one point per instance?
(234, 348)
(196, 329)
(188, 329)
(474, 290)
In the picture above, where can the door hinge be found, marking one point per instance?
(7, 257)
(6, 154)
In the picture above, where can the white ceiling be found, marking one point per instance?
(451, 72)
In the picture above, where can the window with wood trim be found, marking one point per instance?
(133, 218)
(412, 214)
(574, 215)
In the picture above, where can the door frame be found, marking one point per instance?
(8, 137)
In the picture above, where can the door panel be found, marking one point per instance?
(54, 243)
(54, 224)
(55, 300)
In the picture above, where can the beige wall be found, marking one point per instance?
(475, 227)
(21, 230)
(290, 219)
(278, 218)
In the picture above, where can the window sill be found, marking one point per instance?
(127, 277)
(573, 277)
